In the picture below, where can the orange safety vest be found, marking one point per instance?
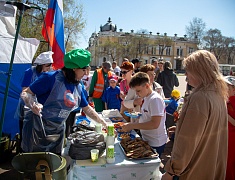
(99, 86)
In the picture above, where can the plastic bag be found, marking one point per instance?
(83, 141)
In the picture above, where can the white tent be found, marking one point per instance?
(25, 50)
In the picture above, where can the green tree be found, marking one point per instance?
(130, 46)
(162, 42)
(126, 45)
(74, 23)
(221, 46)
(111, 49)
(215, 42)
(196, 28)
(229, 53)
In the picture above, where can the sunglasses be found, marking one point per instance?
(124, 72)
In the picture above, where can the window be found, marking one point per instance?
(168, 51)
(179, 52)
(190, 50)
(160, 50)
(150, 50)
(154, 50)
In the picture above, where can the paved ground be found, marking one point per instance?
(182, 84)
(168, 148)
(166, 155)
(8, 173)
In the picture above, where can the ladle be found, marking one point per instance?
(52, 137)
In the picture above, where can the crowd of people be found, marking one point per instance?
(203, 134)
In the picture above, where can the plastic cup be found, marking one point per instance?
(110, 131)
(94, 155)
(110, 157)
(98, 128)
(110, 152)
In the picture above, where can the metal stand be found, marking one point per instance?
(22, 8)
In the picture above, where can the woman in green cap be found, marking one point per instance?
(58, 93)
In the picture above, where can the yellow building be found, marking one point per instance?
(109, 45)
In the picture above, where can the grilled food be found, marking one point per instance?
(137, 148)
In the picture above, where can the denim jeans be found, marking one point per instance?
(160, 149)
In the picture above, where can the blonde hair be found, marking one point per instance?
(204, 66)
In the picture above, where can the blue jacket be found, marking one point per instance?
(112, 97)
(172, 106)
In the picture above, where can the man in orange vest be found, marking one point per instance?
(99, 83)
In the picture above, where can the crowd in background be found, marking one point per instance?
(201, 124)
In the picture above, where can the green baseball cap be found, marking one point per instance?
(77, 58)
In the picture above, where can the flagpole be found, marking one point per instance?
(49, 47)
(22, 8)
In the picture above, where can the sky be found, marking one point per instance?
(165, 16)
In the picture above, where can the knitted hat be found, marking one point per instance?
(44, 58)
(77, 58)
(175, 93)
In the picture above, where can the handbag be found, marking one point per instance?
(82, 142)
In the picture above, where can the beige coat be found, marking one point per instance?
(200, 146)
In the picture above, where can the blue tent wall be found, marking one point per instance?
(11, 125)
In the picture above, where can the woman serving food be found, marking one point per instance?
(57, 94)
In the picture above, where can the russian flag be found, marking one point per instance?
(53, 31)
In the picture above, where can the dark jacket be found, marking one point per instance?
(168, 79)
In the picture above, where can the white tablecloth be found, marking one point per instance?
(123, 169)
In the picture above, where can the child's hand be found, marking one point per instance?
(127, 127)
(138, 101)
(122, 96)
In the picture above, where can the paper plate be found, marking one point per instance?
(132, 115)
(116, 119)
(83, 120)
(167, 101)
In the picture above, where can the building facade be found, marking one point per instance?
(109, 45)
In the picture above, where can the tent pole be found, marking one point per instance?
(22, 7)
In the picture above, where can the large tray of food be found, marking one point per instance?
(137, 149)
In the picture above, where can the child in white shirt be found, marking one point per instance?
(152, 121)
